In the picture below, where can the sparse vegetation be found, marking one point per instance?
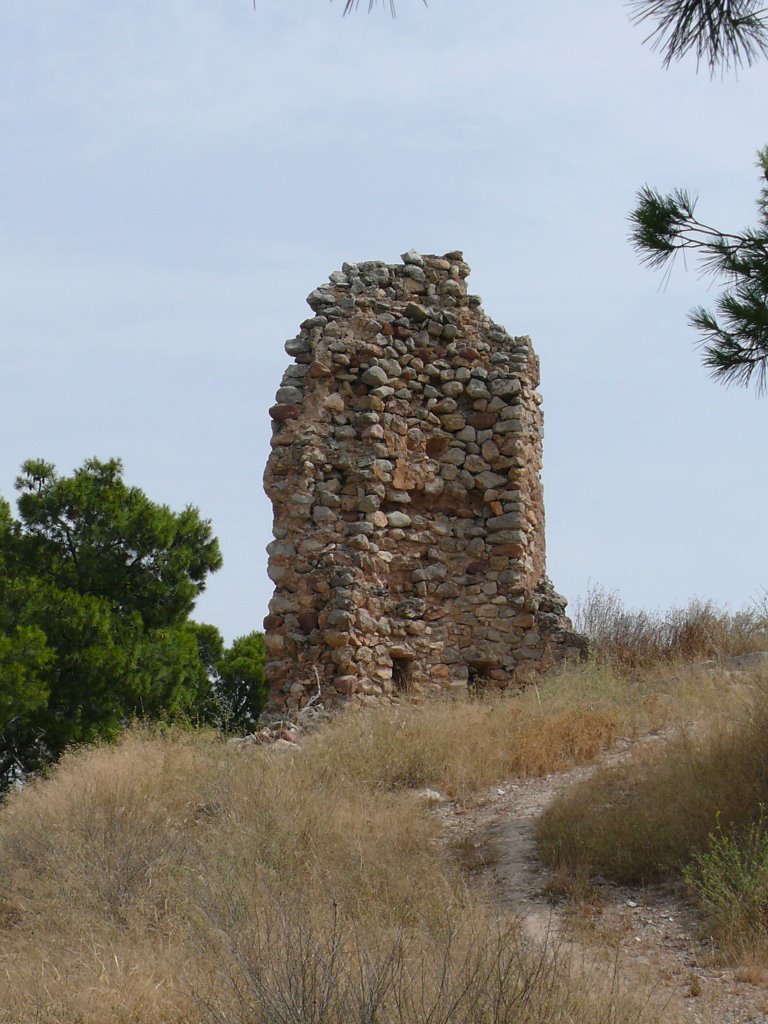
(173, 878)
(643, 639)
(643, 819)
(689, 804)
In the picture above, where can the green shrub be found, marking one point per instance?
(730, 878)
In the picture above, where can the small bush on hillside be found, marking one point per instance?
(474, 969)
(730, 878)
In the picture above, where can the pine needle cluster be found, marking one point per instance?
(722, 33)
(735, 337)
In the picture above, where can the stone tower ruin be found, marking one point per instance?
(405, 481)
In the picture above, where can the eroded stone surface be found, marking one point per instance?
(405, 482)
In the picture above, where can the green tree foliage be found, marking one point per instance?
(96, 586)
(735, 337)
(237, 690)
(93, 534)
(240, 683)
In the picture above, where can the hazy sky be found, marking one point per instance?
(177, 175)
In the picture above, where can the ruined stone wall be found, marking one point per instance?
(405, 481)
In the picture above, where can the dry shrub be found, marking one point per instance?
(646, 817)
(638, 639)
(474, 969)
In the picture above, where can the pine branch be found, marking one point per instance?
(731, 356)
(735, 340)
(722, 33)
(662, 225)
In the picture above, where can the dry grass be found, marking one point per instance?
(173, 878)
(641, 639)
(690, 808)
(462, 748)
(645, 818)
(473, 970)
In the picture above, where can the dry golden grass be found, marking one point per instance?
(173, 878)
(690, 808)
(644, 818)
(462, 748)
(751, 973)
(693, 806)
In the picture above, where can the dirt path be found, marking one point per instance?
(653, 927)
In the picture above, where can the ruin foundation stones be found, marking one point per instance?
(408, 510)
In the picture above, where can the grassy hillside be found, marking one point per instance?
(176, 878)
(691, 809)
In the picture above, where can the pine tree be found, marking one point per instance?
(97, 584)
(735, 338)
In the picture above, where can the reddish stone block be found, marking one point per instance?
(308, 621)
(482, 420)
(281, 413)
(510, 550)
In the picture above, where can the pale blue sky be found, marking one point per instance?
(177, 175)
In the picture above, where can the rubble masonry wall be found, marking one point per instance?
(405, 480)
